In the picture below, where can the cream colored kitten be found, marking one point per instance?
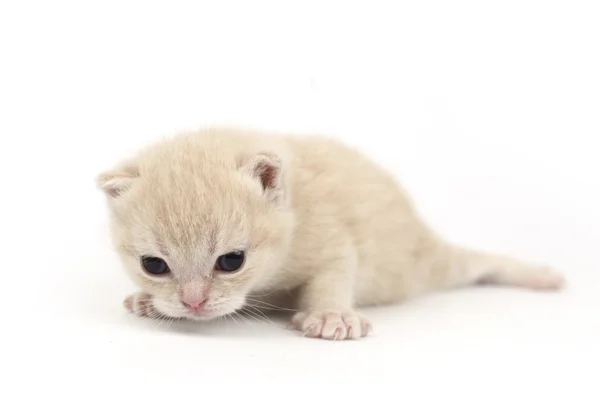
(208, 222)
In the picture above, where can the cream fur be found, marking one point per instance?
(325, 229)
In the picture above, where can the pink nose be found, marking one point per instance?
(194, 305)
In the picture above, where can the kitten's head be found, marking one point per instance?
(199, 225)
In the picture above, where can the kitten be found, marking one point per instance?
(209, 222)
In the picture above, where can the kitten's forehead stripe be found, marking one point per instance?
(212, 242)
(162, 247)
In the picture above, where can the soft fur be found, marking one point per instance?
(325, 231)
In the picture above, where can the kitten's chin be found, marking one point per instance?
(211, 313)
(206, 315)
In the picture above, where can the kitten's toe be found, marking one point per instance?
(128, 303)
(332, 325)
(140, 304)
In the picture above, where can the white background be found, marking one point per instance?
(487, 111)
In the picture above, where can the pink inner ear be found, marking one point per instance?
(113, 192)
(267, 174)
(266, 167)
(114, 186)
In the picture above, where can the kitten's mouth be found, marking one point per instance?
(203, 314)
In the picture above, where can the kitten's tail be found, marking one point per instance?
(469, 266)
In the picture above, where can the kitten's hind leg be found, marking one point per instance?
(491, 269)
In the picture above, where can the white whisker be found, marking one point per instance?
(259, 304)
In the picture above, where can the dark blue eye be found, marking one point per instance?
(155, 265)
(230, 262)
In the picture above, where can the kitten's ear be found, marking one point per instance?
(267, 168)
(117, 181)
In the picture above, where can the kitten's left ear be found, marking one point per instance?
(117, 181)
(267, 168)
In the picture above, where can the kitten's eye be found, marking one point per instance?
(230, 262)
(155, 265)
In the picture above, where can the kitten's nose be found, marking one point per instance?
(194, 294)
(195, 305)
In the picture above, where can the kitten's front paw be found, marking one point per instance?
(332, 325)
(140, 304)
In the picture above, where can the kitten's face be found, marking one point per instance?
(199, 238)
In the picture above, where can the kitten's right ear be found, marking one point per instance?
(115, 182)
